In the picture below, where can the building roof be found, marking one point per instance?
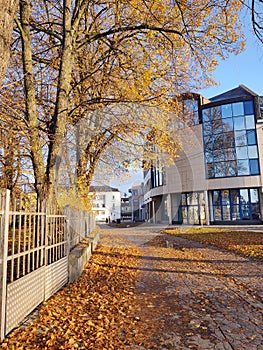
(104, 188)
(240, 91)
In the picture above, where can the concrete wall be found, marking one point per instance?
(80, 255)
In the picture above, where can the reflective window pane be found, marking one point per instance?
(244, 207)
(230, 154)
(190, 108)
(192, 198)
(216, 113)
(183, 199)
(243, 167)
(238, 108)
(241, 152)
(239, 123)
(255, 208)
(210, 170)
(245, 211)
(228, 124)
(240, 137)
(252, 151)
(250, 121)
(248, 107)
(254, 166)
(217, 126)
(226, 212)
(216, 197)
(219, 155)
(231, 168)
(244, 196)
(206, 115)
(208, 142)
(219, 169)
(254, 195)
(217, 213)
(207, 128)
(218, 141)
(225, 197)
(235, 212)
(226, 111)
(234, 195)
(251, 137)
(209, 157)
(184, 215)
(229, 140)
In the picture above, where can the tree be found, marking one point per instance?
(7, 13)
(82, 56)
(257, 18)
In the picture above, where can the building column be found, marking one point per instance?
(153, 212)
(208, 208)
(169, 208)
(260, 192)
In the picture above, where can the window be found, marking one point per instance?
(249, 108)
(230, 144)
(190, 111)
(239, 123)
(254, 166)
(192, 209)
(243, 167)
(251, 137)
(226, 111)
(240, 138)
(237, 204)
(250, 122)
(238, 108)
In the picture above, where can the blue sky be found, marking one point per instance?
(245, 68)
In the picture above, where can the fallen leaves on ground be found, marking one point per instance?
(93, 313)
(153, 294)
(247, 243)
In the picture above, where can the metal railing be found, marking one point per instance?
(29, 243)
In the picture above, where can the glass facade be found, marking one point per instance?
(237, 204)
(157, 178)
(191, 112)
(192, 208)
(230, 143)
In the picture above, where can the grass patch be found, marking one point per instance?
(246, 243)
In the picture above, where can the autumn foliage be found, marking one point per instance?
(92, 313)
(78, 60)
(247, 243)
(128, 297)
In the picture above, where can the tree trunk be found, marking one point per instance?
(7, 14)
(31, 104)
(59, 120)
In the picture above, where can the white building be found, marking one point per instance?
(106, 203)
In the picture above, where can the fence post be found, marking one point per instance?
(68, 223)
(5, 203)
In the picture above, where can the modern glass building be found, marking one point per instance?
(218, 176)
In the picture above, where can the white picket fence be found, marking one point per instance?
(34, 250)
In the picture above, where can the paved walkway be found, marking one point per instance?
(193, 297)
